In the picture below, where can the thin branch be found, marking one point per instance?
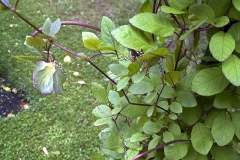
(16, 4)
(160, 147)
(50, 53)
(179, 53)
(75, 23)
(174, 17)
(87, 59)
(99, 54)
(25, 20)
(159, 4)
(228, 10)
(154, 6)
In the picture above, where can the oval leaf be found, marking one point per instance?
(131, 37)
(141, 88)
(106, 27)
(59, 77)
(222, 129)
(201, 138)
(221, 45)
(203, 11)
(43, 77)
(236, 4)
(172, 10)
(153, 23)
(209, 82)
(32, 41)
(231, 69)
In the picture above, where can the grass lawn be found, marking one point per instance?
(63, 124)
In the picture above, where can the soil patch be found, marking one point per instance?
(10, 100)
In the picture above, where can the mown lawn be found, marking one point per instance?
(61, 123)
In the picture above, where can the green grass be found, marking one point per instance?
(61, 123)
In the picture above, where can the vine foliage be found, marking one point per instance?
(164, 99)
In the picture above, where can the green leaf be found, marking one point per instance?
(151, 110)
(153, 23)
(210, 118)
(175, 130)
(32, 41)
(180, 4)
(223, 153)
(151, 128)
(138, 77)
(106, 27)
(203, 11)
(235, 33)
(163, 104)
(88, 35)
(102, 111)
(167, 91)
(90, 40)
(172, 78)
(140, 88)
(177, 150)
(138, 137)
(30, 58)
(153, 143)
(231, 69)
(186, 99)
(122, 83)
(236, 4)
(102, 121)
(114, 98)
(209, 81)
(47, 26)
(170, 63)
(134, 67)
(99, 92)
(121, 50)
(43, 77)
(222, 129)
(221, 21)
(191, 115)
(113, 142)
(150, 97)
(168, 136)
(185, 83)
(220, 7)
(59, 77)
(118, 69)
(160, 52)
(192, 154)
(131, 37)
(55, 27)
(50, 28)
(92, 43)
(221, 45)
(201, 138)
(235, 121)
(172, 10)
(134, 111)
(131, 153)
(176, 107)
(223, 99)
(146, 7)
